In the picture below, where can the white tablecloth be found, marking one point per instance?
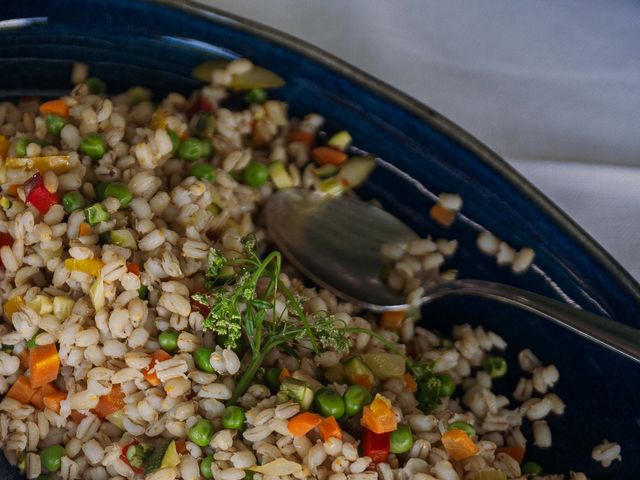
(554, 87)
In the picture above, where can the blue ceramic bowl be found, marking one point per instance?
(156, 45)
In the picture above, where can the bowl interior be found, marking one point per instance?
(156, 46)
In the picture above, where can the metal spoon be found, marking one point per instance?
(336, 242)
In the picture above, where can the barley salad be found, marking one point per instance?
(150, 331)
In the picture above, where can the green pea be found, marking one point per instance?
(96, 86)
(248, 475)
(168, 340)
(120, 192)
(51, 456)
(272, 379)
(93, 145)
(255, 174)
(55, 123)
(329, 403)
(531, 468)
(355, 398)
(496, 367)
(205, 466)
(464, 426)
(73, 201)
(401, 439)
(175, 139)
(233, 418)
(191, 149)
(201, 357)
(203, 171)
(21, 147)
(143, 292)
(257, 95)
(100, 189)
(447, 385)
(96, 213)
(201, 432)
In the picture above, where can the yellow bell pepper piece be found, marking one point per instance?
(56, 163)
(13, 305)
(4, 146)
(91, 266)
(158, 119)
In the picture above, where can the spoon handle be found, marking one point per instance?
(605, 331)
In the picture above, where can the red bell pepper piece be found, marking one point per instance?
(37, 194)
(200, 105)
(375, 445)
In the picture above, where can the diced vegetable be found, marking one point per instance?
(37, 195)
(62, 307)
(378, 417)
(4, 146)
(203, 171)
(514, 451)
(53, 163)
(257, 95)
(375, 445)
(96, 213)
(117, 418)
(328, 428)
(201, 432)
(355, 171)
(355, 398)
(158, 119)
(298, 391)
(303, 423)
(37, 400)
(181, 447)
(393, 320)
(255, 174)
(442, 215)
(85, 229)
(58, 107)
(233, 418)
(110, 403)
(21, 390)
(358, 372)
(76, 416)
(52, 400)
(96, 86)
(256, 77)
(329, 403)
(401, 439)
(385, 365)
(44, 365)
(332, 186)
(13, 305)
(93, 145)
(149, 372)
(490, 475)
(496, 367)
(21, 146)
(133, 268)
(164, 455)
(459, 445)
(123, 238)
(532, 468)
(325, 155)
(55, 123)
(279, 176)
(277, 468)
(335, 374)
(464, 426)
(90, 266)
(202, 359)
(134, 454)
(340, 140)
(410, 384)
(327, 170)
(51, 457)
(120, 192)
(73, 201)
(302, 137)
(447, 385)
(284, 373)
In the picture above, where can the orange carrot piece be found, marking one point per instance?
(76, 416)
(133, 268)
(328, 428)
(514, 451)
(393, 320)
(21, 390)
(37, 400)
(181, 447)
(24, 358)
(112, 402)
(378, 417)
(302, 137)
(85, 229)
(442, 215)
(4, 146)
(59, 107)
(459, 445)
(44, 365)
(150, 372)
(328, 155)
(362, 380)
(12, 189)
(410, 384)
(53, 399)
(303, 423)
(284, 374)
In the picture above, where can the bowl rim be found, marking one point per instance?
(427, 114)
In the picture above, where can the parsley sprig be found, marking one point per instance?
(254, 307)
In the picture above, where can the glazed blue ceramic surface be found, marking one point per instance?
(156, 45)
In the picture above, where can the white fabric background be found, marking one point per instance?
(554, 87)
